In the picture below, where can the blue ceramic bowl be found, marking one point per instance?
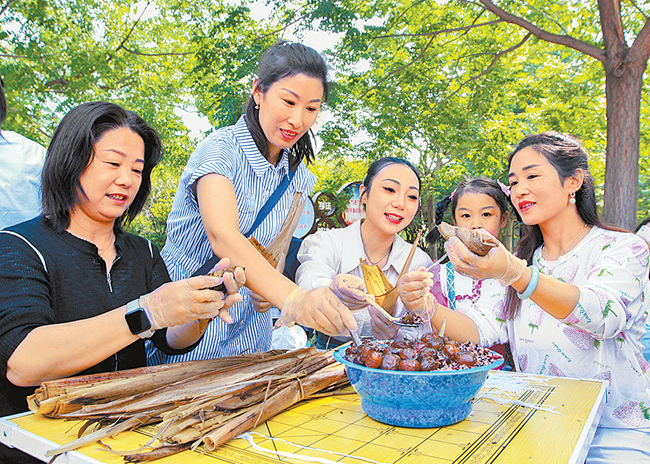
(415, 399)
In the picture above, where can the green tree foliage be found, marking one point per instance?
(452, 85)
(152, 58)
(457, 83)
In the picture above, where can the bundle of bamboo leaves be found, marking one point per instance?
(196, 402)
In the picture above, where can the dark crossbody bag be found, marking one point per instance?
(266, 209)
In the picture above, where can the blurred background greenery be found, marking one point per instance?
(447, 85)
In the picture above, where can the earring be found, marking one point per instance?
(572, 198)
(257, 107)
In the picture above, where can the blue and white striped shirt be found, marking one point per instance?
(231, 152)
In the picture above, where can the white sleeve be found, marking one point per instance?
(320, 260)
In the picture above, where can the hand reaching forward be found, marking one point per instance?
(319, 309)
(351, 290)
(176, 303)
(499, 263)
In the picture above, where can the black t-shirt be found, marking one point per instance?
(57, 278)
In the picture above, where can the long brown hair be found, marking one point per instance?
(567, 155)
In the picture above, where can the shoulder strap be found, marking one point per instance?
(266, 209)
(28, 243)
(272, 201)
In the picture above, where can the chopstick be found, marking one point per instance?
(409, 258)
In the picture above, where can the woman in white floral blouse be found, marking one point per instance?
(575, 303)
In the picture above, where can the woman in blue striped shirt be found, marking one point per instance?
(228, 178)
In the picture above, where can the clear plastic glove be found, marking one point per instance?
(176, 303)
(382, 328)
(351, 290)
(499, 263)
(259, 303)
(413, 289)
(319, 309)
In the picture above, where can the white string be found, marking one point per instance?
(505, 388)
(249, 436)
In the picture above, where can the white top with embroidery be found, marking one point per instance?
(478, 299)
(601, 338)
(328, 253)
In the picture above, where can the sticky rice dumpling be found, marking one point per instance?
(477, 242)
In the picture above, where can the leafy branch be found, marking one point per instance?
(6, 7)
(128, 35)
(441, 31)
(153, 54)
(283, 28)
(490, 66)
(540, 33)
(395, 71)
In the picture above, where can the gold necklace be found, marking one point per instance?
(366, 251)
(566, 247)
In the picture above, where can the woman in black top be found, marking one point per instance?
(77, 293)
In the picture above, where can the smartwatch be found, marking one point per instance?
(137, 320)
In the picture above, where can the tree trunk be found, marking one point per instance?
(623, 92)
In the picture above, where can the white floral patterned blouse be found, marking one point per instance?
(601, 338)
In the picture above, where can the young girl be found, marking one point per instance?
(477, 203)
(227, 180)
(577, 296)
(390, 197)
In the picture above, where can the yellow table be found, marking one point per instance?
(493, 433)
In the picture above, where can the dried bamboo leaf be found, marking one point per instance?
(477, 242)
(377, 283)
(188, 410)
(128, 382)
(290, 395)
(206, 385)
(157, 453)
(99, 434)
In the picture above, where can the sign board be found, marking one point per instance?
(353, 212)
(307, 219)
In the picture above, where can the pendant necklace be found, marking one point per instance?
(101, 251)
(566, 247)
(366, 251)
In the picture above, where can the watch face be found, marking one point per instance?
(137, 321)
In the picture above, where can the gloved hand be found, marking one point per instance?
(382, 328)
(176, 303)
(259, 303)
(413, 289)
(351, 290)
(499, 263)
(319, 309)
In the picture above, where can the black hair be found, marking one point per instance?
(567, 156)
(71, 151)
(476, 185)
(282, 60)
(3, 102)
(380, 164)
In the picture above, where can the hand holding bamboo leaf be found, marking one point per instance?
(177, 303)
